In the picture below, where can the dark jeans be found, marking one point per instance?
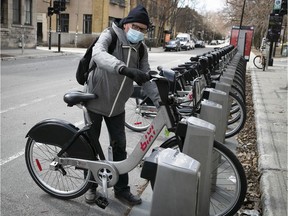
(116, 129)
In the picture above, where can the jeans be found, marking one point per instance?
(116, 130)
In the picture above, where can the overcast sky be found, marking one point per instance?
(210, 5)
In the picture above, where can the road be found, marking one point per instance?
(32, 90)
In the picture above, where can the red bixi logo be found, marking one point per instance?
(150, 133)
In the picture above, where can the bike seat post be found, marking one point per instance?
(86, 116)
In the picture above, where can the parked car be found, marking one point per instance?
(173, 45)
(200, 43)
(214, 42)
(186, 41)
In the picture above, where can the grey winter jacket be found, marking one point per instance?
(113, 89)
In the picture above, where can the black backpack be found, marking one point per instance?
(83, 69)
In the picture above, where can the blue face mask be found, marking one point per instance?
(134, 36)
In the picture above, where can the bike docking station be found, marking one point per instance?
(198, 144)
(167, 169)
(214, 109)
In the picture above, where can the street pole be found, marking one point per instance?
(49, 41)
(242, 15)
(59, 31)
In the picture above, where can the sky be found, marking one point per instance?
(210, 5)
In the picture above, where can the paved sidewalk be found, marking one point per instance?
(270, 104)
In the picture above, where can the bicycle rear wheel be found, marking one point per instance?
(228, 179)
(257, 62)
(65, 182)
(139, 115)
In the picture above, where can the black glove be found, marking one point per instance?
(136, 75)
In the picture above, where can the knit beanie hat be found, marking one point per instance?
(138, 14)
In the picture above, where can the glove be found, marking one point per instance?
(136, 75)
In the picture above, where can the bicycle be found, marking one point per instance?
(58, 153)
(260, 61)
(140, 111)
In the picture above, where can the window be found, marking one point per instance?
(118, 2)
(64, 22)
(16, 11)
(4, 13)
(28, 12)
(87, 24)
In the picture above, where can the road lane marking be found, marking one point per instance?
(4, 161)
(19, 154)
(27, 104)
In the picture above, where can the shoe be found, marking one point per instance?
(128, 197)
(90, 196)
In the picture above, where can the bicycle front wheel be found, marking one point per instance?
(257, 62)
(228, 180)
(138, 115)
(64, 182)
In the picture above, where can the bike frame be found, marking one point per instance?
(112, 169)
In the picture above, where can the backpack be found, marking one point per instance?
(83, 69)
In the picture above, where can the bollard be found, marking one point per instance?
(198, 144)
(176, 184)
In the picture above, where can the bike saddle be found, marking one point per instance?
(210, 60)
(179, 68)
(203, 62)
(192, 59)
(77, 97)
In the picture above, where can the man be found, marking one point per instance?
(112, 81)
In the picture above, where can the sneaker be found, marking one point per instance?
(128, 197)
(90, 196)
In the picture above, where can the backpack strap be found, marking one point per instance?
(112, 46)
(141, 51)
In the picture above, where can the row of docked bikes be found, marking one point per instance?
(191, 173)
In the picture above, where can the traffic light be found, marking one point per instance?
(280, 7)
(50, 11)
(274, 28)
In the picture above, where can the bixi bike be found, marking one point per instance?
(58, 154)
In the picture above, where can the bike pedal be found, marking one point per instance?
(102, 202)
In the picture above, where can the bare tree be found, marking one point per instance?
(256, 14)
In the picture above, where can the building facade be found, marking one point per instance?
(28, 21)
(18, 23)
(79, 22)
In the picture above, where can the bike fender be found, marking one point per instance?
(58, 132)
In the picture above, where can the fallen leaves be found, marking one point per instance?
(247, 153)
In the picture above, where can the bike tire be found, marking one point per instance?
(137, 118)
(257, 62)
(38, 157)
(234, 127)
(228, 195)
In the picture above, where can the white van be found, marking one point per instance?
(186, 41)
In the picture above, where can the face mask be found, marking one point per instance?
(134, 36)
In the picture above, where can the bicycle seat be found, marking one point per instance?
(77, 97)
